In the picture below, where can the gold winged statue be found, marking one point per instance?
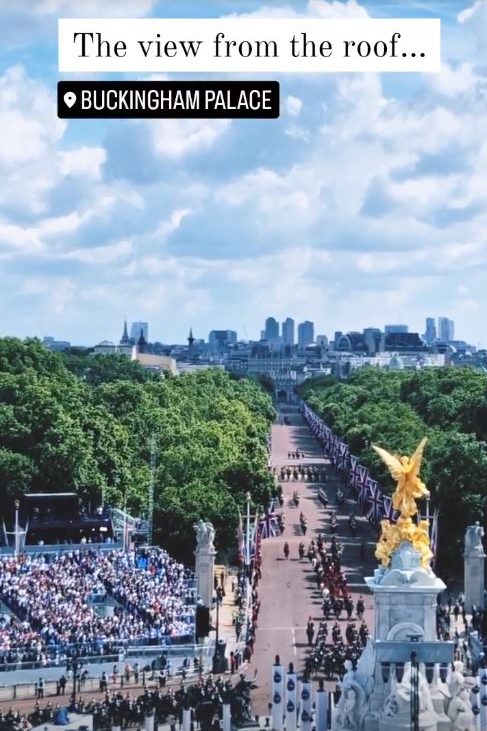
(409, 488)
(405, 471)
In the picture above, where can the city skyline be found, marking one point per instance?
(364, 197)
(302, 333)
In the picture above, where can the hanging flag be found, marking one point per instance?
(389, 511)
(269, 525)
(240, 540)
(375, 500)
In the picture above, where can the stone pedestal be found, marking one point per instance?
(474, 559)
(204, 570)
(205, 561)
(405, 606)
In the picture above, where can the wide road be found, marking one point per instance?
(287, 589)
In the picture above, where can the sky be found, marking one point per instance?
(365, 203)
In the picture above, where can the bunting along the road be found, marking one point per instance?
(375, 499)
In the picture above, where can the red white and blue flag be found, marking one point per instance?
(375, 499)
(269, 525)
(389, 511)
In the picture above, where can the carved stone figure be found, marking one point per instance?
(351, 707)
(398, 703)
(205, 534)
(473, 540)
(460, 712)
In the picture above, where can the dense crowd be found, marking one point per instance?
(55, 598)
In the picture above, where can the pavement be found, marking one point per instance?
(287, 589)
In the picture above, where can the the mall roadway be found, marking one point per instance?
(288, 590)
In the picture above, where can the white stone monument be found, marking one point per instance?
(205, 561)
(474, 558)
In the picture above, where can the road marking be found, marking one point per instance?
(294, 641)
(291, 627)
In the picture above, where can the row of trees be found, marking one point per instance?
(87, 423)
(395, 410)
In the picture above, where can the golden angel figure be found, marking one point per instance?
(405, 471)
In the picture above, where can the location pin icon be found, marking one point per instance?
(70, 99)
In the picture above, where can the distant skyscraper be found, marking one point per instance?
(219, 339)
(288, 331)
(395, 329)
(271, 329)
(446, 329)
(306, 333)
(430, 332)
(136, 329)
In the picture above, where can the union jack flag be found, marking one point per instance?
(269, 525)
(389, 511)
(362, 477)
(353, 473)
(376, 501)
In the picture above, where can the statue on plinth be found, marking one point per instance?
(351, 707)
(409, 488)
(473, 540)
(397, 707)
(205, 535)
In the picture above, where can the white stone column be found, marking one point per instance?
(306, 705)
(205, 562)
(186, 719)
(277, 696)
(226, 717)
(321, 701)
(291, 699)
(474, 558)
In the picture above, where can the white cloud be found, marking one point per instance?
(83, 162)
(29, 124)
(175, 138)
(95, 8)
(293, 105)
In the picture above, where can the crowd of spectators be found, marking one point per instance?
(57, 603)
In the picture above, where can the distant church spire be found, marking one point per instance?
(125, 337)
(141, 342)
(190, 338)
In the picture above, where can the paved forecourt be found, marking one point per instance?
(288, 589)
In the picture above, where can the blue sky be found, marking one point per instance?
(365, 203)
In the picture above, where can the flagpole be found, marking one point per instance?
(247, 546)
(16, 550)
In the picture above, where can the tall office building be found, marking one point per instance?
(306, 333)
(430, 332)
(446, 329)
(220, 339)
(271, 329)
(288, 331)
(395, 329)
(137, 328)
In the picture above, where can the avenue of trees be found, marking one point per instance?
(79, 422)
(395, 410)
